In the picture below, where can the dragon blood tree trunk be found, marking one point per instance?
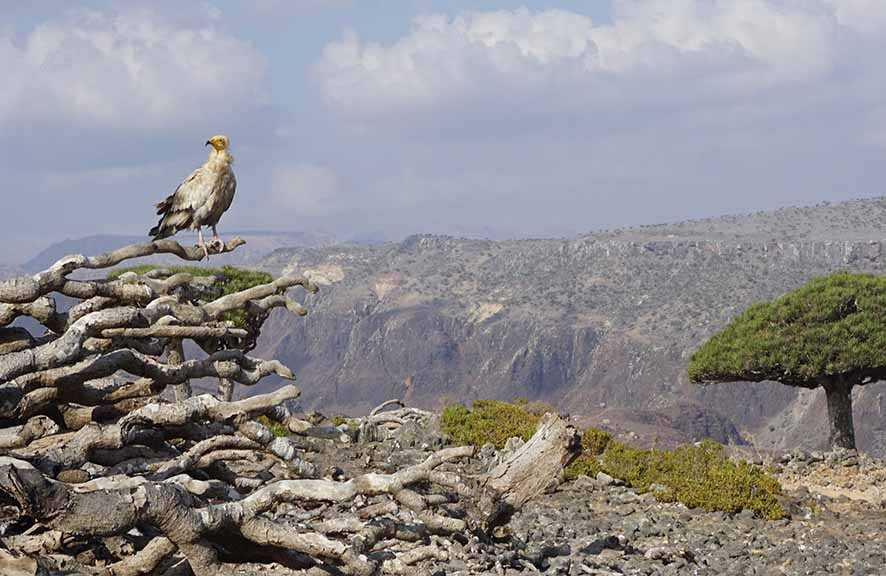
(839, 398)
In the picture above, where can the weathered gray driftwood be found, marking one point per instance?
(527, 472)
(95, 455)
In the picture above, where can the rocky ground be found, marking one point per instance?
(592, 527)
(597, 526)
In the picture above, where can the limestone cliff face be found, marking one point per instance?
(605, 321)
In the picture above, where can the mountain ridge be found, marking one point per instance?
(606, 318)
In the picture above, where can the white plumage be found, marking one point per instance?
(202, 198)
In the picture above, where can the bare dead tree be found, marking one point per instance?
(101, 473)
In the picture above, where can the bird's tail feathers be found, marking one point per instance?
(171, 223)
(158, 233)
(163, 206)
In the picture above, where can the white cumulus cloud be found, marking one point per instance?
(127, 70)
(708, 45)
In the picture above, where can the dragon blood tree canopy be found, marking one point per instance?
(829, 333)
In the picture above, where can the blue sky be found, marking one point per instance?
(371, 118)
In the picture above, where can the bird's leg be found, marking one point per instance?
(201, 243)
(216, 240)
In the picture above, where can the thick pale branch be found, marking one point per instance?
(386, 404)
(69, 347)
(191, 459)
(284, 448)
(28, 289)
(42, 310)
(16, 339)
(149, 347)
(264, 531)
(238, 300)
(87, 307)
(253, 299)
(143, 426)
(71, 450)
(206, 407)
(265, 305)
(167, 331)
(35, 428)
(93, 392)
(331, 491)
(403, 564)
(145, 561)
(231, 364)
(77, 417)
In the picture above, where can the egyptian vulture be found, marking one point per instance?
(201, 199)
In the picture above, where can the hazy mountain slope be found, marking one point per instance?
(607, 318)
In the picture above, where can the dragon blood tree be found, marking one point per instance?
(830, 333)
(103, 474)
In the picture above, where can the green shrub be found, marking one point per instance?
(487, 421)
(276, 428)
(595, 442)
(584, 465)
(235, 280)
(339, 420)
(698, 476)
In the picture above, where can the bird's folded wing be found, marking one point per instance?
(192, 193)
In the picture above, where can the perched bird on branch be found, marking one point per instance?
(201, 199)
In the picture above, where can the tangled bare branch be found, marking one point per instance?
(95, 455)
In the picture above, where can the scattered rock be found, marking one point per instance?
(604, 479)
(668, 553)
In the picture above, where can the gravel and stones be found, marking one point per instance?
(596, 527)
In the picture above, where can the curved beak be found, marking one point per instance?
(207, 143)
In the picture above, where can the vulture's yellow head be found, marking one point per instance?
(218, 142)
